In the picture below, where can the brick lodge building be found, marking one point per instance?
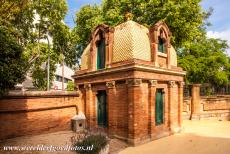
(129, 82)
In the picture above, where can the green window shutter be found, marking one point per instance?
(161, 45)
(101, 54)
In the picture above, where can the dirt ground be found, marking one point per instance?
(197, 137)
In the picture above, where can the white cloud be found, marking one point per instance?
(224, 35)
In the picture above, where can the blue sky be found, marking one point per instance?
(220, 18)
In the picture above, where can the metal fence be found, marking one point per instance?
(207, 90)
(187, 91)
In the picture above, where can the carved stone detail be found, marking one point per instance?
(181, 84)
(87, 86)
(152, 83)
(171, 84)
(134, 82)
(110, 84)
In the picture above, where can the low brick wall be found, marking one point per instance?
(211, 107)
(31, 113)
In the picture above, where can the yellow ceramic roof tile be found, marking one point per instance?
(85, 58)
(131, 41)
(173, 57)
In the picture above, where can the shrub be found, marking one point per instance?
(96, 141)
(70, 86)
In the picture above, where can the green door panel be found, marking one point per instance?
(101, 109)
(159, 105)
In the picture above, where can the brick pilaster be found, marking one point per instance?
(134, 110)
(89, 105)
(152, 95)
(112, 109)
(180, 102)
(171, 85)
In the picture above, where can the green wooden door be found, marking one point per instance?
(101, 54)
(101, 108)
(159, 107)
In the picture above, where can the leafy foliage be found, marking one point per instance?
(70, 85)
(87, 18)
(39, 70)
(32, 23)
(184, 18)
(12, 62)
(98, 141)
(206, 62)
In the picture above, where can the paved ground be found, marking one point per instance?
(197, 137)
(61, 138)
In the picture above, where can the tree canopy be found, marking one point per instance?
(29, 24)
(186, 19)
(206, 62)
(12, 63)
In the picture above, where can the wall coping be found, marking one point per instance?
(39, 94)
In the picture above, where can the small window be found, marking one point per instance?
(101, 53)
(161, 45)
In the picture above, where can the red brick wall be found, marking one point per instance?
(214, 107)
(131, 114)
(28, 114)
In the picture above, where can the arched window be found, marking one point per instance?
(161, 43)
(101, 53)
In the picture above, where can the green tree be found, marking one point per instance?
(70, 86)
(12, 38)
(206, 62)
(186, 19)
(19, 16)
(87, 18)
(12, 62)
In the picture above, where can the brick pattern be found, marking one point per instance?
(131, 109)
(211, 107)
(36, 115)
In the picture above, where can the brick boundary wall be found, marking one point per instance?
(37, 112)
(206, 107)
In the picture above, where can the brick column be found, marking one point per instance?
(180, 102)
(89, 105)
(173, 107)
(195, 103)
(134, 110)
(152, 95)
(112, 109)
